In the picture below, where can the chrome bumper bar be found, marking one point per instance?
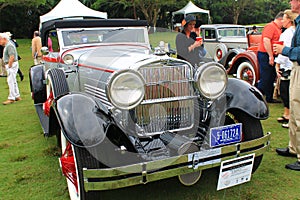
(142, 173)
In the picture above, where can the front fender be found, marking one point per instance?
(249, 56)
(243, 96)
(229, 56)
(82, 120)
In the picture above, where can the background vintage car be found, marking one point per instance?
(223, 42)
(219, 39)
(245, 64)
(126, 114)
(227, 44)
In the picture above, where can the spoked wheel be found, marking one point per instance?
(251, 129)
(245, 71)
(72, 161)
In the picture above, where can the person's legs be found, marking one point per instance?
(294, 122)
(285, 96)
(267, 76)
(3, 70)
(20, 74)
(12, 82)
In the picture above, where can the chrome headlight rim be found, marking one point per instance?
(204, 72)
(139, 86)
(68, 59)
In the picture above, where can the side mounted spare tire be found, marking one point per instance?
(220, 51)
(37, 84)
(58, 82)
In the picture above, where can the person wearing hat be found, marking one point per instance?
(187, 47)
(14, 42)
(10, 58)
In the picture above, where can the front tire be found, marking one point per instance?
(72, 161)
(251, 129)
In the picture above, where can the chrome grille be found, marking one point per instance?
(169, 99)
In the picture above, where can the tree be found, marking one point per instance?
(229, 10)
(149, 8)
(26, 3)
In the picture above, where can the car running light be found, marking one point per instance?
(68, 59)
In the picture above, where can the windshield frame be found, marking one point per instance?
(70, 34)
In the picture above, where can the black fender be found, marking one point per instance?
(83, 120)
(37, 84)
(229, 56)
(243, 96)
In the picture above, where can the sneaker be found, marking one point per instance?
(8, 101)
(18, 99)
(285, 125)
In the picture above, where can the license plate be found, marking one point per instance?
(223, 135)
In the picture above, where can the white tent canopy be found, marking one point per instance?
(191, 8)
(69, 9)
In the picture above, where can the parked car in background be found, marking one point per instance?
(245, 64)
(126, 114)
(224, 41)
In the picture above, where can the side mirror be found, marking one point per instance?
(45, 51)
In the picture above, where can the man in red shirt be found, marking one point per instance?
(271, 33)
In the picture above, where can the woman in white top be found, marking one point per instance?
(284, 65)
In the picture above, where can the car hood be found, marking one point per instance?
(115, 57)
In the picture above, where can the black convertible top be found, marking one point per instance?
(86, 23)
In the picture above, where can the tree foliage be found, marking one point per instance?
(26, 3)
(22, 16)
(150, 9)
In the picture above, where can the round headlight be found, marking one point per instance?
(211, 79)
(68, 59)
(125, 89)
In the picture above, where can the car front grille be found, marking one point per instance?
(169, 99)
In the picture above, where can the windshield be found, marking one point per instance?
(104, 35)
(232, 32)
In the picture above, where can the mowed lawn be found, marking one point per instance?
(29, 166)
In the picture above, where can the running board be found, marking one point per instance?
(43, 118)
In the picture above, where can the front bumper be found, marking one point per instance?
(142, 173)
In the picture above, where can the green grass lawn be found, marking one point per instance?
(29, 166)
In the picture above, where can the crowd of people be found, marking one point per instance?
(9, 61)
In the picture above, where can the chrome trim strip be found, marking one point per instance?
(97, 92)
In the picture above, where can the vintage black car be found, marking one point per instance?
(126, 115)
